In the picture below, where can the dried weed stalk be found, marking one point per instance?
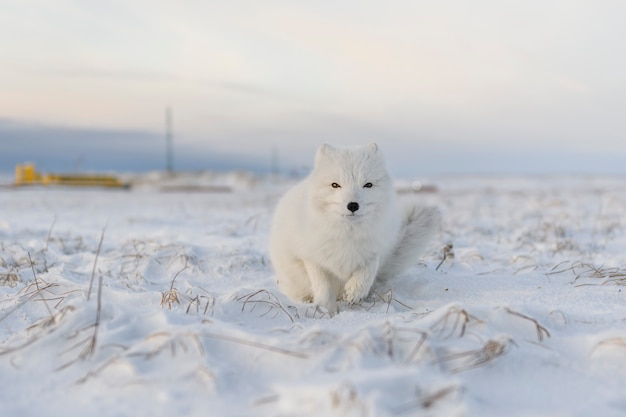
(414, 355)
(171, 296)
(266, 299)
(619, 342)
(454, 321)
(448, 253)
(584, 270)
(541, 331)
(490, 351)
(90, 348)
(428, 400)
(254, 344)
(345, 400)
(50, 233)
(32, 266)
(9, 279)
(388, 299)
(91, 342)
(165, 341)
(198, 300)
(95, 262)
(42, 326)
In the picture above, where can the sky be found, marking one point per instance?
(452, 86)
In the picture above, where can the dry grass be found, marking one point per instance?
(202, 303)
(453, 323)
(90, 343)
(9, 279)
(388, 342)
(90, 348)
(591, 274)
(152, 346)
(541, 331)
(32, 292)
(387, 298)
(198, 301)
(447, 253)
(417, 338)
(40, 328)
(254, 344)
(619, 342)
(171, 296)
(269, 301)
(168, 342)
(345, 399)
(95, 262)
(429, 399)
(487, 353)
(341, 400)
(50, 233)
(32, 265)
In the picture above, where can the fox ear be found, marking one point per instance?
(373, 148)
(323, 151)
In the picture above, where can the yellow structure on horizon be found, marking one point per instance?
(26, 174)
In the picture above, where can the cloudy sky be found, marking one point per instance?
(443, 86)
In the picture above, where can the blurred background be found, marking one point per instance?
(446, 87)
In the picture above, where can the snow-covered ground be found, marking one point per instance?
(525, 316)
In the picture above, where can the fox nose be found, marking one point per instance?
(353, 206)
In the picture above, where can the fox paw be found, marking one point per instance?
(328, 304)
(354, 292)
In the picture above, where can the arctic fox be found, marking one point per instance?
(339, 229)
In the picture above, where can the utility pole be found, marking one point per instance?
(169, 157)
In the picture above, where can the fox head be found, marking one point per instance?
(350, 183)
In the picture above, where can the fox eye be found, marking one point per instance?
(368, 185)
(335, 185)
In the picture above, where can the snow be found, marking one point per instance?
(526, 315)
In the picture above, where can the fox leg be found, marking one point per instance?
(360, 283)
(323, 286)
(293, 278)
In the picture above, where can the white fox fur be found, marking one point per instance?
(324, 247)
